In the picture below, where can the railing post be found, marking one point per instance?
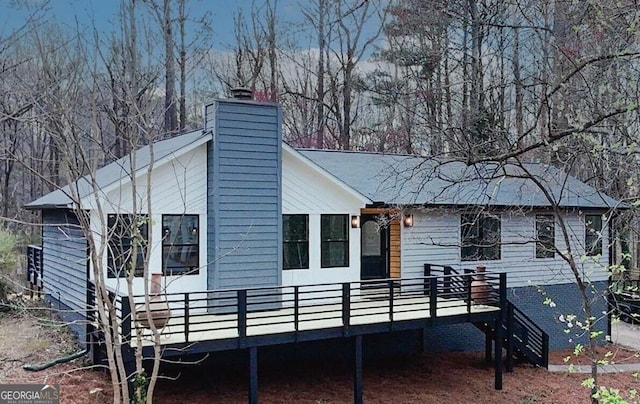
(39, 259)
(447, 280)
(126, 319)
(390, 285)
(545, 350)
(467, 286)
(346, 307)
(499, 332)
(427, 274)
(503, 291)
(433, 298)
(34, 269)
(509, 338)
(242, 313)
(186, 317)
(296, 307)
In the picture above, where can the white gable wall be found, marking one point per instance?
(435, 239)
(305, 191)
(178, 186)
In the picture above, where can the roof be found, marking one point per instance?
(113, 173)
(294, 153)
(416, 180)
(383, 178)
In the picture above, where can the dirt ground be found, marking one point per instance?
(423, 378)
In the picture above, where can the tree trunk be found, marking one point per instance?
(170, 113)
(183, 67)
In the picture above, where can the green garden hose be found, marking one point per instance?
(43, 366)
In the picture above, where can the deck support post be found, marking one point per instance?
(509, 338)
(497, 359)
(253, 375)
(488, 346)
(499, 334)
(357, 370)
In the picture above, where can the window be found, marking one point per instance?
(119, 233)
(180, 245)
(545, 236)
(371, 243)
(334, 236)
(480, 237)
(295, 241)
(592, 235)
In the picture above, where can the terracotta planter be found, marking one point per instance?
(158, 306)
(480, 289)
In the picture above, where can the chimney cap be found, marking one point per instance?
(242, 93)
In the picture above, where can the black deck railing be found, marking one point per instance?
(526, 337)
(457, 283)
(338, 309)
(522, 335)
(34, 268)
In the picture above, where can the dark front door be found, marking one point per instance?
(374, 245)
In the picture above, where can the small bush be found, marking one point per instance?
(8, 261)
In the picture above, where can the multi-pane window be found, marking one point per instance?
(125, 231)
(545, 236)
(180, 245)
(593, 235)
(295, 241)
(334, 236)
(480, 237)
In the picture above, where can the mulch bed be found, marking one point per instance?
(612, 353)
(447, 377)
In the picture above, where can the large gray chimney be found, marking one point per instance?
(244, 216)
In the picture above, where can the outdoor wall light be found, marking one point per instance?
(408, 220)
(355, 222)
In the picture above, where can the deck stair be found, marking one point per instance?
(524, 340)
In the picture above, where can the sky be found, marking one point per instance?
(14, 13)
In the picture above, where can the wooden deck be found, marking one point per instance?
(248, 319)
(210, 327)
(208, 321)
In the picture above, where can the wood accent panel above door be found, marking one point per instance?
(394, 249)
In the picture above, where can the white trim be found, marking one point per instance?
(343, 185)
(104, 190)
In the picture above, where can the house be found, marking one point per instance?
(236, 211)
(491, 215)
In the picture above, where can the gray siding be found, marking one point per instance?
(244, 188)
(64, 256)
(435, 239)
(567, 301)
(530, 299)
